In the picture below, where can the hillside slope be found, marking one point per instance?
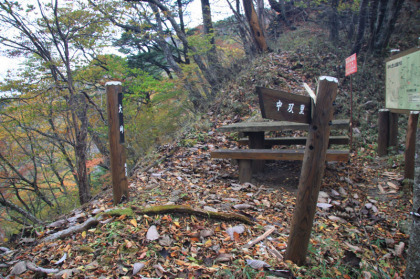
(362, 232)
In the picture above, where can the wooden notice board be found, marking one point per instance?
(284, 106)
(403, 81)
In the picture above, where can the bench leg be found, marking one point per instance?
(256, 141)
(245, 171)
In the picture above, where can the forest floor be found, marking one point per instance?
(360, 228)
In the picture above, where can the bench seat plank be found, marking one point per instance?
(275, 154)
(269, 142)
(337, 124)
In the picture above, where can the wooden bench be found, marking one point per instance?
(270, 142)
(245, 157)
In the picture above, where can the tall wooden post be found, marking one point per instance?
(393, 131)
(116, 140)
(312, 171)
(383, 132)
(410, 149)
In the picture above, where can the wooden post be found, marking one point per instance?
(383, 132)
(116, 140)
(312, 171)
(393, 131)
(245, 171)
(256, 141)
(410, 149)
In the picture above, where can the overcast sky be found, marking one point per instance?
(219, 8)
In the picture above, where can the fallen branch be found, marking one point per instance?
(164, 209)
(91, 222)
(273, 251)
(160, 209)
(260, 238)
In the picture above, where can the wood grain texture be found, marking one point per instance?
(275, 154)
(274, 104)
(265, 126)
(311, 173)
(383, 132)
(117, 151)
(268, 142)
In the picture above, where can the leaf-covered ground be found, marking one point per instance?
(360, 228)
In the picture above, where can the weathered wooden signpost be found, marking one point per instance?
(278, 105)
(116, 140)
(284, 106)
(312, 171)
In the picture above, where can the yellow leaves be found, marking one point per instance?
(133, 222)
(208, 243)
(84, 234)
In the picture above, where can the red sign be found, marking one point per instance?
(351, 65)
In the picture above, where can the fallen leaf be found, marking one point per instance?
(152, 233)
(381, 189)
(208, 243)
(137, 267)
(399, 249)
(236, 236)
(133, 222)
(159, 269)
(206, 233)
(353, 247)
(323, 205)
(128, 244)
(392, 185)
(337, 219)
(242, 206)
(257, 264)
(165, 240)
(223, 257)
(236, 229)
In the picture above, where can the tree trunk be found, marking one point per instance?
(256, 30)
(208, 75)
(362, 26)
(182, 26)
(334, 22)
(244, 32)
(280, 8)
(194, 95)
(208, 28)
(386, 16)
(80, 106)
(413, 264)
(261, 14)
(213, 61)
